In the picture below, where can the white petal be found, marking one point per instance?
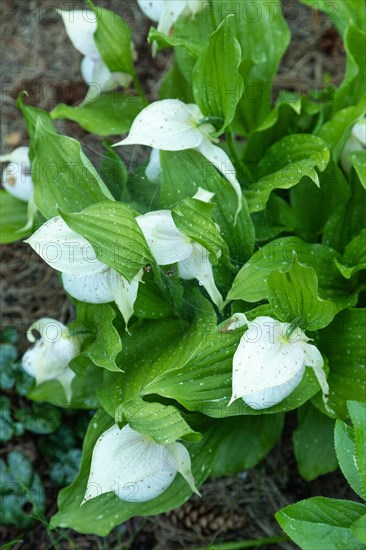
(170, 13)
(263, 359)
(314, 359)
(272, 396)
(65, 379)
(352, 145)
(129, 464)
(167, 125)
(153, 169)
(203, 195)
(167, 244)
(80, 26)
(198, 266)
(17, 178)
(179, 457)
(63, 249)
(123, 292)
(97, 75)
(151, 8)
(49, 329)
(220, 159)
(93, 289)
(359, 131)
(195, 5)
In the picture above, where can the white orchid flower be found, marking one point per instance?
(270, 362)
(355, 142)
(153, 168)
(134, 467)
(84, 277)
(171, 125)
(167, 12)
(49, 358)
(17, 178)
(80, 26)
(170, 246)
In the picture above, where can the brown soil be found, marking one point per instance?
(38, 57)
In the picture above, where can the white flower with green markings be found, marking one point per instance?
(270, 361)
(80, 26)
(84, 277)
(50, 356)
(134, 467)
(171, 125)
(167, 12)
(170, 246)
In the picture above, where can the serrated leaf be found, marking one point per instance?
(107, 115)
(321, 519)
(294, 294)
(111, 229)
(313, 442)
(217, 83)
(285, 164)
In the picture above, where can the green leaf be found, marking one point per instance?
(90, 519)
(341, 12)
(335, 132)
(194, 218)
(358, 529)
(164, 424)
(113, 40)
(63, 176)
(313, 442)
(353, 85)
(107, 115)
(33, 116)
(150, 302)
(343, 342)
(111, 229)
(251, 283)
(246, 441)
(104, 344)
(285, 164)
(354, 258)
(217, 84)
(263, 36)
(197, 373)
(357, 412)
(321, 519)
(183, 172)
(113, 170)
(344, 439)
(13, 218)
(8, 356)
(165, 41)
(358, 160)
(294, 294)
(20, 488)
(8, 428)
(40, 418)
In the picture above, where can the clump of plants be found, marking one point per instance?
(217, 286)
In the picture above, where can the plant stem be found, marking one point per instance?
(138, 88)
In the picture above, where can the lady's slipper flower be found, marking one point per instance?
(134, 467)
(171, 125)
(49, 358)
(17, 175)
(355, 142)
(170, 246)
(84, 277)
(270, 362)
(167, 12)
(80, 26)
